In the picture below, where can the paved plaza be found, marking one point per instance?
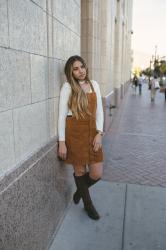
(135, 145)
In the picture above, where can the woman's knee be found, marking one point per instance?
(96, 172)
(79, 170)
(95, 175)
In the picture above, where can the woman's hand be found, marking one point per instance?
(62, 150)
(97, 142)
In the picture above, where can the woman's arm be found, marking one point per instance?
(97, 142)
(63, 111)
(99, 110)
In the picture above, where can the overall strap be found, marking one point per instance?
(91, 85)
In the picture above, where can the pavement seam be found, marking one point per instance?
(124, 218)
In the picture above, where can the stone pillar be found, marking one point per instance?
(118, 53)
(97, 41)
(104, 44)
(90, 39)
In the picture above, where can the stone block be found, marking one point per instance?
(27, 27)
(58, 9)
(4, 39)
(7, 157)
(50, 36)
(6, 84)
(67, 12)
(73, 47)
(31, 129)
(62, 74)
(39, 78)
(15, 79)
(19, 67)
(54, 77)
(53, 116)
(75, 44)
(78, 2)
(67, 45)
(50, 7)
(58, 39)
(41, 3)
(75, 15)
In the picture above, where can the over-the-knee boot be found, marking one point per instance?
(84, 192)
(90, 182)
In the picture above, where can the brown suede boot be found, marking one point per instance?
(90, 182)
(84, 192)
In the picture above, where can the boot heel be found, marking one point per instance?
(92, 213)
(76, 197)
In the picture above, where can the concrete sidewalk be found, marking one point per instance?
(133, 217)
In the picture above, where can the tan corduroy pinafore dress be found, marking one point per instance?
(80, 135)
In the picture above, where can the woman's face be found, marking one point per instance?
(79, 71)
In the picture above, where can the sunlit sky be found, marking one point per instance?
(149, 20)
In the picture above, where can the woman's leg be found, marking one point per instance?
(155, 93)
(82, 188)
(152, 94)
(79, 170)
(96, 171)
(91, 178)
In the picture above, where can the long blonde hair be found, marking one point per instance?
(78, 101)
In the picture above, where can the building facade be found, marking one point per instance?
(36, 38)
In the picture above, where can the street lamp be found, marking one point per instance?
(155, 51)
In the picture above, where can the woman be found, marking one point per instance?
(135, 83)
(80, 130)
(154, 86)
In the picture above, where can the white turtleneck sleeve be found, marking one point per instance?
(64, 110)
(99, 111)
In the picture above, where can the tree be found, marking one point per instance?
(148, 72)
(162, 68)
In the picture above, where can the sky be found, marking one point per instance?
(149, 21)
